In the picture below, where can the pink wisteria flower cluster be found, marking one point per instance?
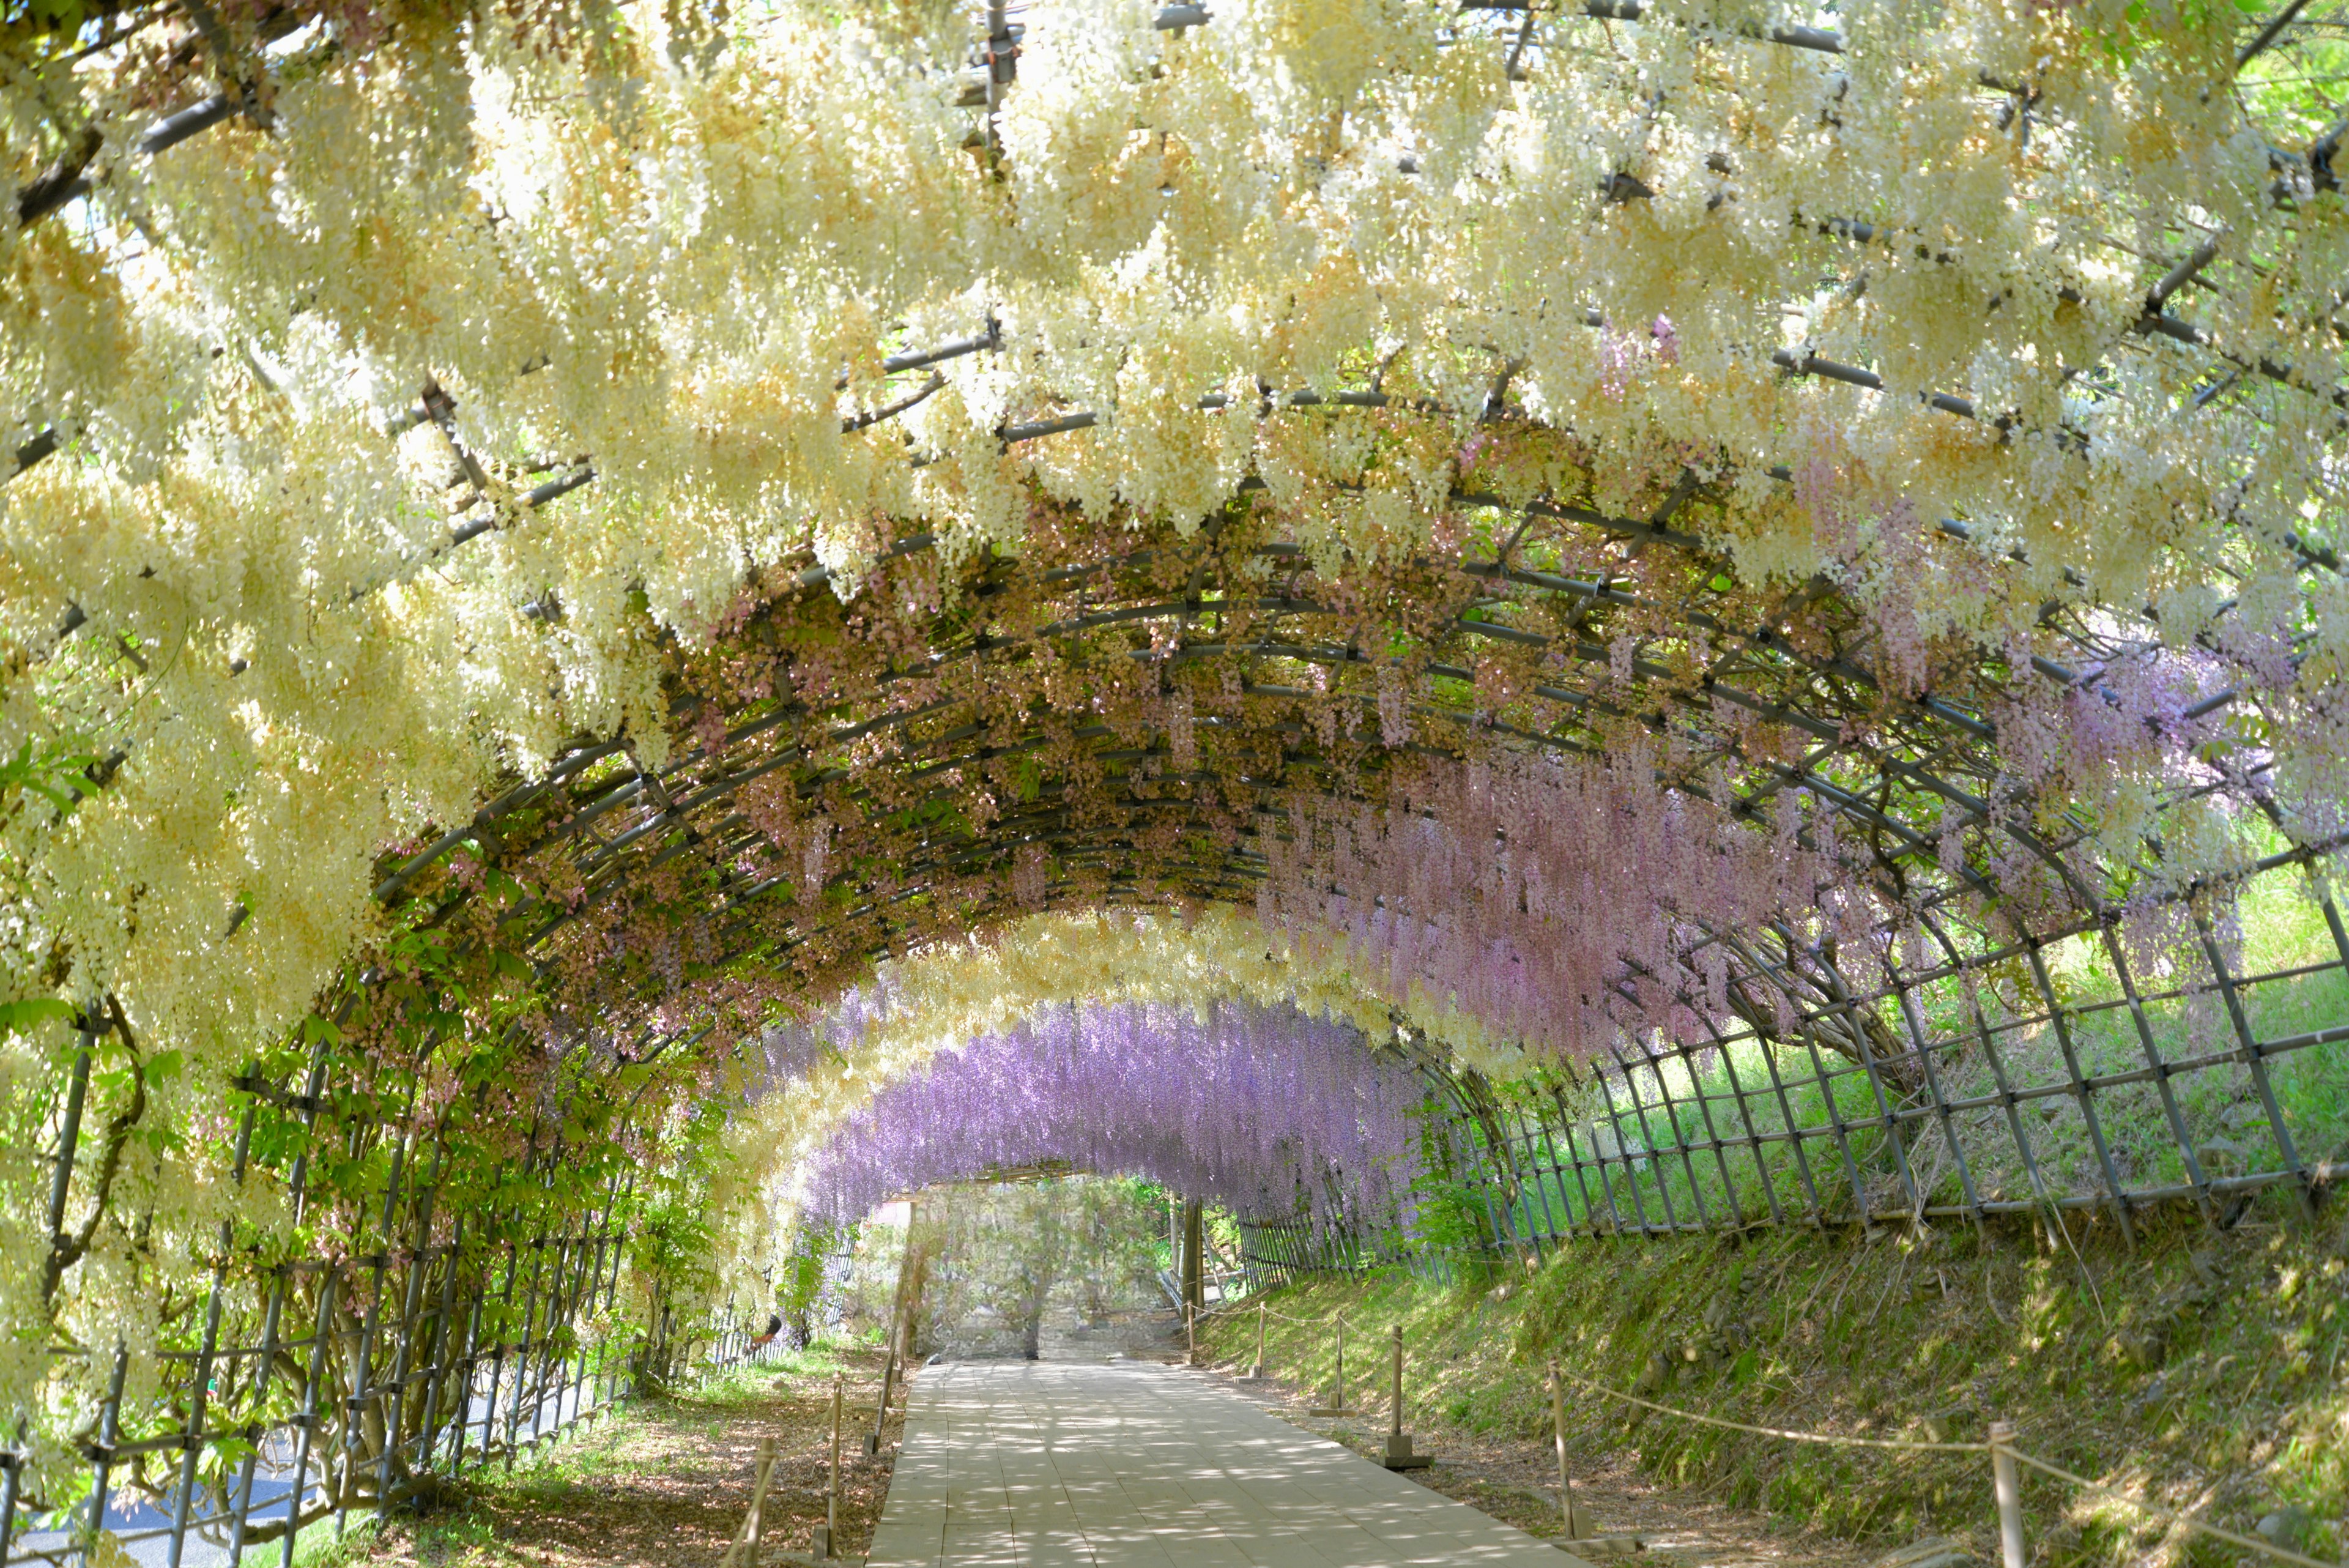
(1265, 1111)
(1561, 902)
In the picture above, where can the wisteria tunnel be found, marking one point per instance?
(1493, 647)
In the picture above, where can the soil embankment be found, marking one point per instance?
(2202, 1370)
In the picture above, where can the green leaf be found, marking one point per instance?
(1746, 1367)
(29, 1014)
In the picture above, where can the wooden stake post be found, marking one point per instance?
(1398, 1455)
(827, 1534)
(744, 1551)
(888, 1378)
(1338, 1405)
(901, 1326)
(2008, 1484)
(1255, 1373)
(1577, 1523)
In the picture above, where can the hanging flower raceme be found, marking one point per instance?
(1559, 901)
(1263, 1110)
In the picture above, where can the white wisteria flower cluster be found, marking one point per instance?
(395, 433)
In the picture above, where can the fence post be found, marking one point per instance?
(826, 1544)
(1576, 1524)
(1337, 1406)
(2008, 1485)
(754, 1529)
(1398, 1455)
(888, 1378)
(1256, 1372)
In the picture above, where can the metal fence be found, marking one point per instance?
(422, 1340)
(2044, 1076)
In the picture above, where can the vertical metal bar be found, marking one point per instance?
(12, 1466)
(1647, 1137)
(522, 1352)
(498, 1355)
(1598, 1159)
(281, 1278)
(2080, 1091)
(69, 1134)
(1679, 1140)
(1745, 1118)
(591, 1283)
(1835, 1121)
(1794, 1128)
(1916, 1025)
(2253, 1059)
(1526, 1130)
(590, 1269)
(109, 1434)
(1615, 1120)
(1846, 1003)
(2160, 1069)
(192, 1437)
(356, 1403)
(1558, 1164)
(1540, 1127)
(1712, 1132)
(469, 1373)
(241, 1513)
(1574, 1157)
(304, 1444)
(398, 1397)
(2005, 1088)
(429, 1431)
(2006, 1483)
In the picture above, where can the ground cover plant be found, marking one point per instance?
(665, 1482)
(2204, 1372)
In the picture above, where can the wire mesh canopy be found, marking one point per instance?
(2000, 548)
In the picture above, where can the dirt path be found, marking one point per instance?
(1516, 1482)
(666, 1482)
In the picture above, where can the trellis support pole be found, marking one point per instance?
(2009, 1487)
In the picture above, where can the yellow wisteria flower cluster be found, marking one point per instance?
(631, 514)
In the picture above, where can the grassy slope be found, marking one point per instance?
(2210, 1367)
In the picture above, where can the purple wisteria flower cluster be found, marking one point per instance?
(1266, 1111)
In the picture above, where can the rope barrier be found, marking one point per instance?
(1828, 1437)
(2166, 1515)
(2172, 1516)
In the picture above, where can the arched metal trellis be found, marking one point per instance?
(2021, 1064)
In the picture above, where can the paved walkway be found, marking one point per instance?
(1042, 1464)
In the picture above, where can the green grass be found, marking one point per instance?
(1668, 1112)
(2130, 1368)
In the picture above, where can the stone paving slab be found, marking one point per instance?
(1040, 1464)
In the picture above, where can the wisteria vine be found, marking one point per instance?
(1263, 1110)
